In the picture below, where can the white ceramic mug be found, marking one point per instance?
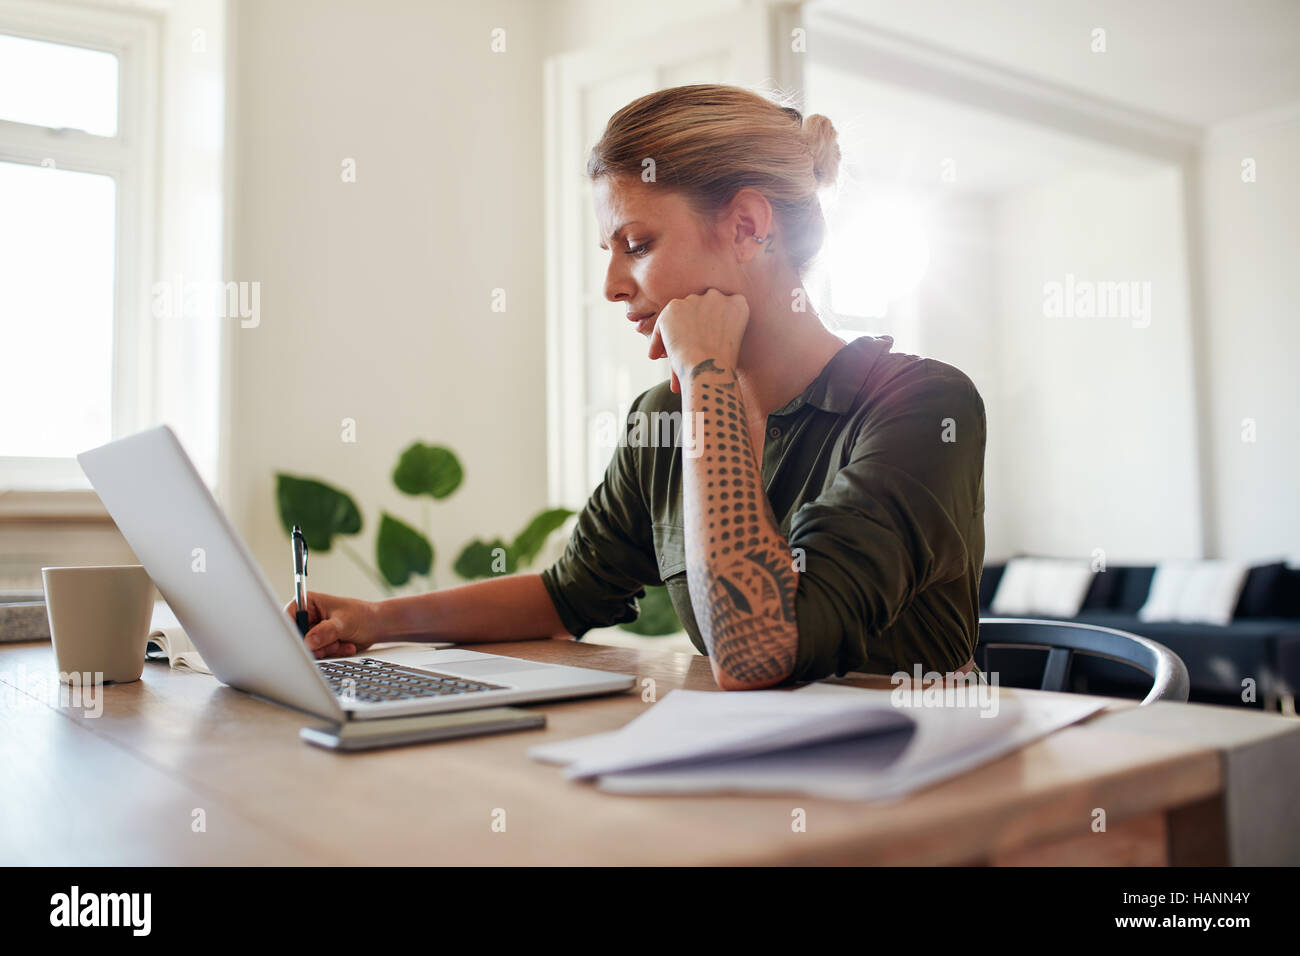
(99, 620)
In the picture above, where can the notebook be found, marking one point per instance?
(822, 740)
(168, 642)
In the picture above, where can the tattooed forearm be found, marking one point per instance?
(741, 580)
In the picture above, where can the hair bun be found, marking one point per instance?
(823, 143)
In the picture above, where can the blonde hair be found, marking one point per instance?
(708, 141)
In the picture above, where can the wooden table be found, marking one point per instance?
(176, 749)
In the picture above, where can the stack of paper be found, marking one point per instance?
(823, 740)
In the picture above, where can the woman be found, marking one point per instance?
(824, 512)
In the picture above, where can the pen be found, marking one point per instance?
(300, 578)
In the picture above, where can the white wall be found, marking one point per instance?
(1252, 291)
(1096, 430)
(578, 24)
(956, 309)
(376, 295)
(191, 204)
(1098, 422)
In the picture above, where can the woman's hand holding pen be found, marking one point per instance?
(338, 626)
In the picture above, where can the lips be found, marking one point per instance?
(644, 320)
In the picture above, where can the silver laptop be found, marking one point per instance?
(229, 610)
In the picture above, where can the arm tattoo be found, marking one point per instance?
(739, 574)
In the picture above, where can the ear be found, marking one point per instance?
(749, 215)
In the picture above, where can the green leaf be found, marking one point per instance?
(428, 470)
(657, 617)
(476, 560)
(320, 510)
(530, 540)
(401, 551)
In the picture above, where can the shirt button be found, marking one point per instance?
(774, 432)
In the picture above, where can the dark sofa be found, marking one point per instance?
(1262, 641)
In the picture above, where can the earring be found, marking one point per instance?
(764, 239)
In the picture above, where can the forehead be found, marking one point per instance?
(624, 201)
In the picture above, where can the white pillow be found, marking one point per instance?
(1055, 587)
(1195, 592)
(1167, 587)
(1013, 594)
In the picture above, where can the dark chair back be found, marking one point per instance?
(1064, 639)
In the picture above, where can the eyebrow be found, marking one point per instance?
(618, 233)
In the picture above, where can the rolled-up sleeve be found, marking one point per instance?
(893, 522)
(610, 556)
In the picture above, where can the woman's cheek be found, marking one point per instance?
(657, 272)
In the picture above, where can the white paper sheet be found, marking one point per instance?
(694, 725)
(823, 740)
(947, 742)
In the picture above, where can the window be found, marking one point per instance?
(58, 86)
(57, 255)
(78, 89)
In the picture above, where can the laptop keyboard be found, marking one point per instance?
(374, 681)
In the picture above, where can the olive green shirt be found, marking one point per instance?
(876, 476)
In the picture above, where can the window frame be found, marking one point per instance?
(130, 158)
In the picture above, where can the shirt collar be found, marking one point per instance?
(839, 383)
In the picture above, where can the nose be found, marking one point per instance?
(618, 284)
